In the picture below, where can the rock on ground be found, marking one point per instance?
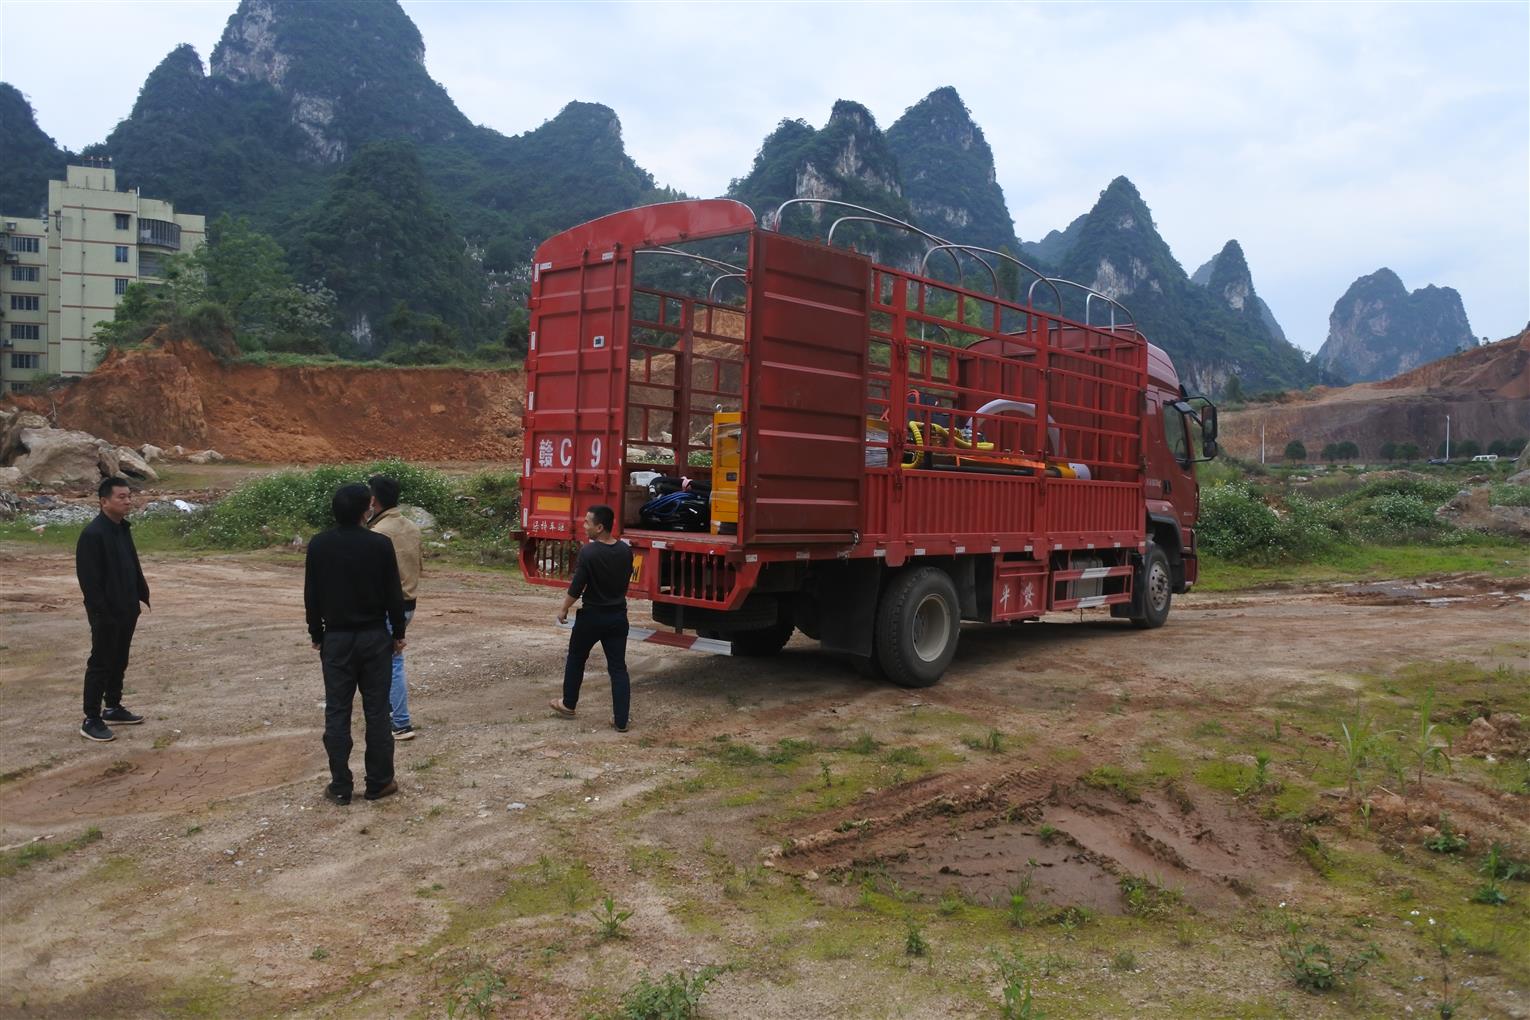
(63, 457)
(130, 464)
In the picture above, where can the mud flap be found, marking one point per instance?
(847, 598)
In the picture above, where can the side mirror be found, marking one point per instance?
(1208, 449)
(1209, 428)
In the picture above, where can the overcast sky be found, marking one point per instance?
(1329, 139)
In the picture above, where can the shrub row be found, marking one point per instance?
(276, 507)
(1241, 522)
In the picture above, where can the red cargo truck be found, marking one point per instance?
(869, 455)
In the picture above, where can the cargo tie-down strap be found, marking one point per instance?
(669, 639)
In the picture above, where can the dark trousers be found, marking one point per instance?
(110, 639)
(358, 660)
(609, 627)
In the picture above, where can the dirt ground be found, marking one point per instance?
(785, 819)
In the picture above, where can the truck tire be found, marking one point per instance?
(759, 644)
(918, 622)
(1157, 582)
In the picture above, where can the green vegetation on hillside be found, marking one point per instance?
(946, 164)
(32, 158)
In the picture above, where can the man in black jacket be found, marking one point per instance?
(112, 582)
(350, 588)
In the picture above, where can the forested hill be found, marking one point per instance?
(948, 173)
(31, 158)
(319, 124)
(1118, 251)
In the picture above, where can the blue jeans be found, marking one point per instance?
(398, 693)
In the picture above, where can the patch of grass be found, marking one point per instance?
(789, 751)
(1227, 776)
(39, 851)
(1146, 899)
(903, 756)
(1124, 962)
(736, 755)
(1352, 563)
(1115, 779)
(992, 743)
(863, 744)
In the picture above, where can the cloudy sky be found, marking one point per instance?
(1329, 139)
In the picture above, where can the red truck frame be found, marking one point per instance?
(913, 452)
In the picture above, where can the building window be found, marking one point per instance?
(149, 264)
(26, 360)
(25, 243)
(121, 285)
(123, 222)
(26, 331)
(160, 233)
(25, 302)
(24, 274)
(122, 253)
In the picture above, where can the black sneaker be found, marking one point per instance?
(403, 733)
(95, 729)
(337, 796)
(121, 716)
(388, 789)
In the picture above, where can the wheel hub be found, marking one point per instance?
(932, 628)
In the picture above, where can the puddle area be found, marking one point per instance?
(1449, 591)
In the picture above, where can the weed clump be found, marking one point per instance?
(674, 996)
(1314, 967)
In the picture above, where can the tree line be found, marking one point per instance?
(1296, 451)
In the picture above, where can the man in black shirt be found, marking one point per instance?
(600, 577)
(352, 597)
(112, 582)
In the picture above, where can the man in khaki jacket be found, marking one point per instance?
(383, 517)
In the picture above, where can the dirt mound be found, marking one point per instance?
(176, 393)
(1066, 845)
(1486, 392)
(161, 782)
(1499, 369)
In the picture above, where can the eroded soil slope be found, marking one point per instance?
(1486, 392)
(173, 392)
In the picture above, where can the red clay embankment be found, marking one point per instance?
(175, 393)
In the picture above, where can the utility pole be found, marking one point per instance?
(1447, 437)
(1261, 442)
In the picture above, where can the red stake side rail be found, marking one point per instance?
(885, 415)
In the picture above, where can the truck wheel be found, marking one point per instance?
(758, 644)
(918, 622)
(1157, 588)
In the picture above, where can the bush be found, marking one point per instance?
(1236, 523)
(268, 509)
(672, 997)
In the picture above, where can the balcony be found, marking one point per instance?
(159, 234)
